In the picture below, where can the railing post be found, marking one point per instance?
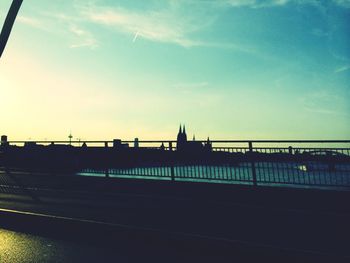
(252, 163)
(172, 169)
(4, 146)
(172, 172)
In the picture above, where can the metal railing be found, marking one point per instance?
(256, 162)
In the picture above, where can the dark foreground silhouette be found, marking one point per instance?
(178, 221)
(173, 220)
(67, 158)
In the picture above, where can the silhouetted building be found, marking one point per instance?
(117, 143)
(30, 144)
(4, 141)
(208, 146)
(194, 146)
(181, 141)
(184, 145)
(136, 143)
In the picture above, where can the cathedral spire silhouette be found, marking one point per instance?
(181, 138)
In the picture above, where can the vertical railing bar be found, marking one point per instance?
(221, 172)
(250, 144)
(228, 172)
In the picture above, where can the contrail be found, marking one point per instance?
(135, 37)
(9, 21)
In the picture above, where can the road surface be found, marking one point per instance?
(178, 219)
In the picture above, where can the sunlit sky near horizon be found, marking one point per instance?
(228, 69)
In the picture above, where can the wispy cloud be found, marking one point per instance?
(341, 69)
(75, 26)
(159, 26)
(342, 3)
(192, 85)
(279, 3)
(323, 102)
(30, 21)
(85, 38)
(166, 25)
(255, 3)
(320, 33)
(58, 23)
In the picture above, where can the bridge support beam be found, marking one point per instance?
(9, 21)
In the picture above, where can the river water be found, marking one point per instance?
(312, 174)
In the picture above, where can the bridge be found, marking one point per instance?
(253, 200)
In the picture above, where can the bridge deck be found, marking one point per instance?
(296, 221)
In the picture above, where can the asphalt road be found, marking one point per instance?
(324, 234)
(17, 247)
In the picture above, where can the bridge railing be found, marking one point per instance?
(295, 162)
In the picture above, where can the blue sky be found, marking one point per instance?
(228, 69)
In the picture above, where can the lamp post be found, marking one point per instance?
(70, 136)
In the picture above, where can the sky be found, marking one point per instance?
(228, 69)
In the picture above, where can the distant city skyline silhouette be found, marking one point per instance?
(181, 139)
